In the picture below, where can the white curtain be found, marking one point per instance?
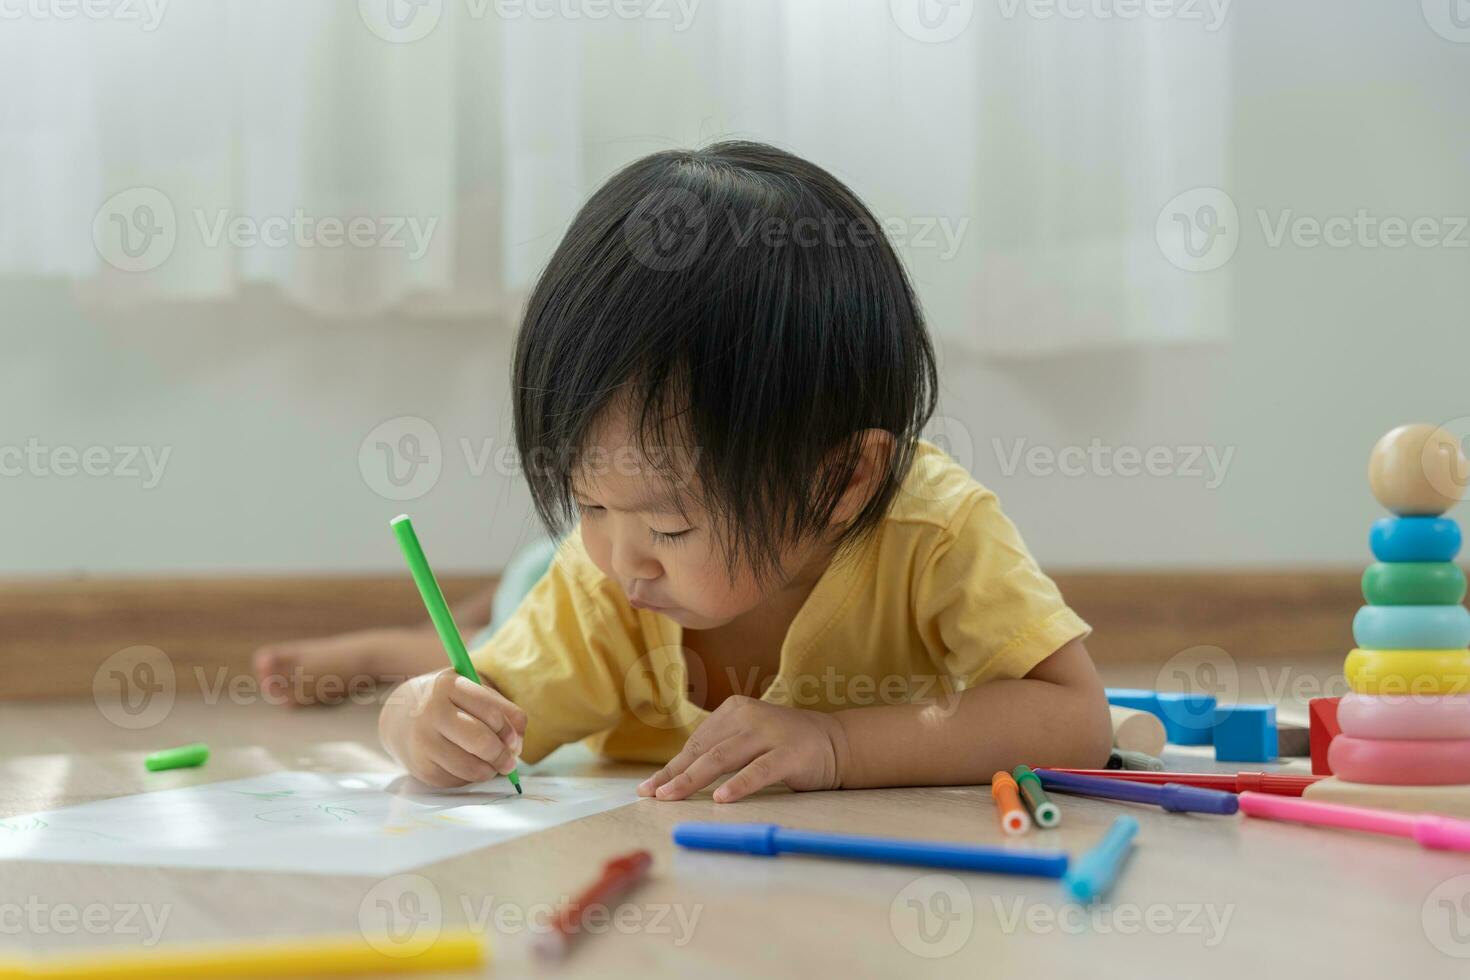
(425, 155)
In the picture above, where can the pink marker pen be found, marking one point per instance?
(1429, 829)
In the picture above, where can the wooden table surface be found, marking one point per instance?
(1206, 896)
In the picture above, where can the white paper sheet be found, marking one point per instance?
(305, 822)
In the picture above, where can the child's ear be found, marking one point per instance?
(875, 456)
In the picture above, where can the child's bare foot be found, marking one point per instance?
(331, 669)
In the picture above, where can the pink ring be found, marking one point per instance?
(1437, 716)
(1400, 762)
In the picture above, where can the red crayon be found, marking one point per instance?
(1277, 784)
(618, 876)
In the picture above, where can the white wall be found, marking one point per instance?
(1338, 107)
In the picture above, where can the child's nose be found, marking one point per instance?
(633, 564)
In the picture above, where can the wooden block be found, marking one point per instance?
(1136, 731)
(1293, 739)
(1452, 801)
(1322, 713)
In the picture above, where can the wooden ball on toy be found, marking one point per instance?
(1418, 469)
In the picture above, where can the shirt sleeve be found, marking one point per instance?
(983, 606)
(564, 655)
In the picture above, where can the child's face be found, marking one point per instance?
(664, 560)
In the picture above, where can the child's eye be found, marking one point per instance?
(590, 510)
(669, 535)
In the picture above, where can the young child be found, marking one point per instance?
(719, 384)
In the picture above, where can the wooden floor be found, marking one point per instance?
(1201, 896)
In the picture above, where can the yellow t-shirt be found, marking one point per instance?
(940, 597)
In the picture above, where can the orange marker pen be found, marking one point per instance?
(1008, 809)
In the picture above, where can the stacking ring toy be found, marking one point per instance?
(1400, 762)
(1436, 716)
(1413, 583)
(1414, 539)
(1411, 627)
(1402, 672)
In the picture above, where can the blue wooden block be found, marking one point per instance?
(1189, 719)
(1245, 733)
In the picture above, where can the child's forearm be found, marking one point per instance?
(1056, 716)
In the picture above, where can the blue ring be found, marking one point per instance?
(1415, 539)
(1412, 627)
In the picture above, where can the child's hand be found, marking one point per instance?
(449, 731)
(766, 742)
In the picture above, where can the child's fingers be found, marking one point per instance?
(489, 705)
(765, 770)
(464, 766)
(433, 774)
(725, 757)
(474, 736)
(710, 734)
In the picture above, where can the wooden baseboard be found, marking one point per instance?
(54, 634)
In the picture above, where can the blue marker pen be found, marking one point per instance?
(769, 839)
(1094, 872)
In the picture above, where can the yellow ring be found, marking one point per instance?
(1399, 672)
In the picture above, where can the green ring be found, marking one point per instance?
(1413, 583)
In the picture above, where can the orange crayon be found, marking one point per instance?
(1008, 809)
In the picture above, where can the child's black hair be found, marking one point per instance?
(744, 304)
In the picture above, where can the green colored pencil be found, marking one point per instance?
(433, 597)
